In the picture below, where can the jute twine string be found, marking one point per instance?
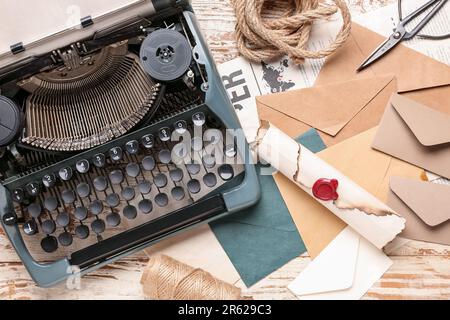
(263, 37)
(168, 279)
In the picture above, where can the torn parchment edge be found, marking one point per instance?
(366, 214)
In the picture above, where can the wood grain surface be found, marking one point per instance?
(420, 270)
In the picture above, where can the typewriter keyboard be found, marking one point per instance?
(128, 182)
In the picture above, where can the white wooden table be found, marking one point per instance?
(420, 270)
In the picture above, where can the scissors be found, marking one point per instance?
(401, 34)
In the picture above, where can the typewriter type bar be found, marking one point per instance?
(120, 134)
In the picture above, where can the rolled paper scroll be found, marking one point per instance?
(367, 215)
(169, 279)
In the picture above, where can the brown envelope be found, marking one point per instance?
(425, 206)
(355, 158)
(418, 77)
(338, 110)
(417, 134)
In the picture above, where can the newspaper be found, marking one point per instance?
(245, 80)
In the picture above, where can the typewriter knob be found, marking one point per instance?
(11, 121)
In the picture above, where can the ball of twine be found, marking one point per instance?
(169, 279)
(264, 36)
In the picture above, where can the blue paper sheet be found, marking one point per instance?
(261, 239)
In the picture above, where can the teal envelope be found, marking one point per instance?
(261, 239)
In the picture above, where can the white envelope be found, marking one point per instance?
(345, 270)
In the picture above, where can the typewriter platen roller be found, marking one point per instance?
(115, 132)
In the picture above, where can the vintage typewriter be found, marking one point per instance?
(115, 132)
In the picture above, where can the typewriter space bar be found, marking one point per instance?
(149, 232)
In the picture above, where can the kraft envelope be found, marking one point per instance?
(354, 157)
(422, 134)
(338, 110)
(419, 77)
(425, 206)
(261, 239)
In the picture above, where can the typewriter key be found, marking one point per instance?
(65, 239)
(179, 152)
(33, 189)
(83, 166)
(180, 126)
(178, 193)
(162, 200)
(113, 219)
(160, 180)
(49, 244)
(165, 156)
(133, 170)
(66, 174)
(230, 151)
(199, 119)
(116, 177)
(98, 226)
(10, 218)
(35, 210)
(48, 226)
(113, 200)
(116, 154)
(210, 180)
(128, 193)
(209, 161)
(99, 160)
(165, 134)
(83, 190)
(68, 196)
(49, 180)
(193, 168)
(197, 144)
(130, 212)
(18, 195)
(176, 175)
(149, 163)
(30, 228)
(132, 147)
(81, 213)
(214, 136)
(145, 206)
(145, 187)
(82, 232)
(148, 141)
(100, 184)
(226, 172)
(63, 219)
(51, 204)
(194, 186)
(96, 207)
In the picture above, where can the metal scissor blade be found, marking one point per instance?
(384, 48)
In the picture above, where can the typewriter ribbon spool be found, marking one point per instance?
(11, 121)
(166, 55)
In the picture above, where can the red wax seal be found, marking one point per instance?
(325, 189)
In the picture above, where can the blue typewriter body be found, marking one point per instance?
(115, 134)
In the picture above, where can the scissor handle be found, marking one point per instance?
(426, 19)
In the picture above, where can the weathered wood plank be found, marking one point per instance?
(420, 271)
